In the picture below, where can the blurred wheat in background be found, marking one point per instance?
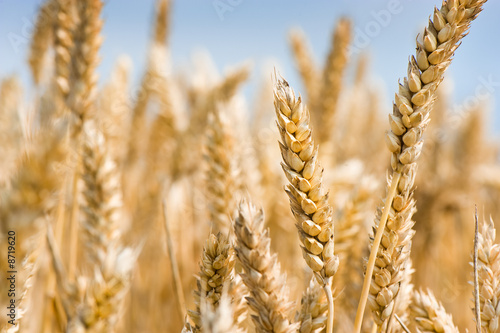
(173, 209)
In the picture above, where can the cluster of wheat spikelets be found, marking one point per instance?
(163, 210)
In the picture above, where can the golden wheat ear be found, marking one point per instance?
(221, 168)
(428, 314)
(488, 270)
(393, 225)
(262, 274)
(63, 43)
(42, 38)
(305, 64)
(215, 270)
(112, 264)
(336, 63)
(308, 198)
(313, 309)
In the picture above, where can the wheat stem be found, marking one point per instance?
(73, 226)
(477, 307)
(373, 254)
(331, 308)
(174, 267)
(403, 326)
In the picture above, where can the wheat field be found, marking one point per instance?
(173, 210)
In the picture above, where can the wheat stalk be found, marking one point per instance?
(262, 276)
(408, 122)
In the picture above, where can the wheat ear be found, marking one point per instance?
(332, 79)
(215, 270)
(63, 44)
(408, 121)
(262, 275)
(489, 277)
(313, 309)
(82, 95)
(102, 214)
(30, 263)
(114, 106)
(161, 30)
(30, 192)
(220, 174)
(308, 199)
(41, 38)
(305, 64)
(153, 83)
(429, 315)
(11, 95)
(102, 203)
(84, 60)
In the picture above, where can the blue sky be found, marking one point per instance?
(233, 31)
